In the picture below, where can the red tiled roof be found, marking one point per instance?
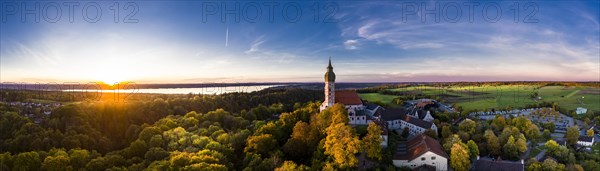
(347, 97)
(424, 103)
(419, 145)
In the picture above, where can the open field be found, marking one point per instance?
(374, 97)
(516, 96)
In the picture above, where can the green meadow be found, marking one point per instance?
(374, 97)
(516, 96)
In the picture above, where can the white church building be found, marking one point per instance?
(362, 113)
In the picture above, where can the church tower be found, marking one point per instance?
(329, 87)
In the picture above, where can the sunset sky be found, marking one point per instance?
(379, 41)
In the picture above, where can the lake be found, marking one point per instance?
(199, 90)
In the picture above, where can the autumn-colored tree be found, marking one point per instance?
(459, 157)
(372, 141)
(291, 166)
(341, 144)
(340, 114)
(590, 132)
(448, 142)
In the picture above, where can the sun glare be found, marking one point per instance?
(110, 78)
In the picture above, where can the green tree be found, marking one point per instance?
(341, 144)
(572, 135)
(547, 135)
(57, 162)
(27, 161)
(551, 165)
(473, 149)
(467, 126)
(136, 149)
(449, 142)
(552, 146)
(459, 157)
(372, 141)
(590, 165)
(492, 142)
(156, 153)
(510, 148)
(5, 161)
(535, 166)
(521, 144)
(79, 157)
(498, 123)
(575, 167)
(261, 144)
(533, 132)
(97, 164)
(446, 132)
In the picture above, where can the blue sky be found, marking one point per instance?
(368, 41)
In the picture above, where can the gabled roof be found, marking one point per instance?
(497, 165)
(418, 122)
(393, 114)
(421, 114)
(585, 138)
(378, 112)
(347, 97)
(418, 146)
(371, 106)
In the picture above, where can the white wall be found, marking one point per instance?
(440, 163)
(384, 143)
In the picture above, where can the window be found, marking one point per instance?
(422, 158)
(433, 158)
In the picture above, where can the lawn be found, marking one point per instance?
(373, 97)
(534, 152)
